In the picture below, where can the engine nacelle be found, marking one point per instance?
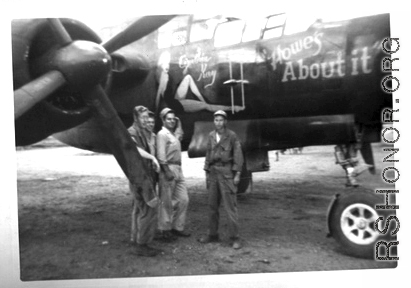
(32, 41)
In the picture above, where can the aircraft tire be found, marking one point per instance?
(352, 220)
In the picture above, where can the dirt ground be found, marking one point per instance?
(74, 218)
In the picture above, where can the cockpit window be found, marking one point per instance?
(273, 33)
(275, 26)
(173, 33)
(298, 22)
(275, 21)
(253, 29)
(179, 37)
(228, 33)
(203, 30)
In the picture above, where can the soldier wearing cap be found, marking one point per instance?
(172, 187)
(144, 202)
(223, 164)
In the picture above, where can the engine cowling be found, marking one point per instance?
(32, 41)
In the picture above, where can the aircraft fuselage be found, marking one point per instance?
(326, 78)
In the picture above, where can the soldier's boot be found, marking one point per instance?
(180, 233)
(146, 251)
(236, 242)
(209, 239)
(166, 236)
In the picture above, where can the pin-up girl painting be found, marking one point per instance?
(166, 94)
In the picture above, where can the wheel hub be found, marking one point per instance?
(361, 224)
(356, 223)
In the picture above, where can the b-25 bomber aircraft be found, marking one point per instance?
(319, 86)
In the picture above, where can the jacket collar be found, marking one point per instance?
(167, 130)
(137, 127)
(222, 137)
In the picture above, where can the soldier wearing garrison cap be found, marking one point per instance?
(223, 165)
(172, 187)
(221, 113)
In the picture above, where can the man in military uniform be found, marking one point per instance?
(144, 214)
(172, 187)
(223, 165)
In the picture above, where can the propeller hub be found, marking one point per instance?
(84, 64)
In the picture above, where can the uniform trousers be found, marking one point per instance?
(174, 200)
(221, 188)
(145, 217)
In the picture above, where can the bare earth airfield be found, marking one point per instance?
(74, 218)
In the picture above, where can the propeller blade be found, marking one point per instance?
(118, 139)
(35, 91)
(60, 33)
(135, 31)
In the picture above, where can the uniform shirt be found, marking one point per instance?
(168, 147)
(227, 150)
(138, 137)
(151, 141)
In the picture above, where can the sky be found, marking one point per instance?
(97, 23)
(296, 19)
